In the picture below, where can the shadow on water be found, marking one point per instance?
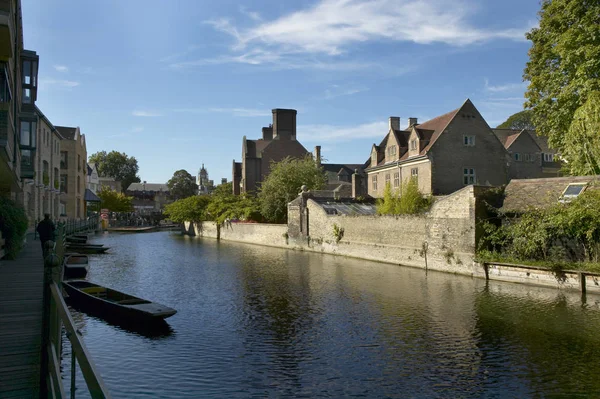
(152, 329)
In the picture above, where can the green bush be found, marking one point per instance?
(410, 201)
(13, 224)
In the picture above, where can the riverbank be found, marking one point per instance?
(464, 263)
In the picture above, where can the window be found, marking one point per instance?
(548, 157)
(517, 156)
(526, 157)
(28, 134)
(63, 160)
(375, 183)
(413, 145)
(63, 184)
(387, 179)
(78, 184)
(5, 94)
(414, 172)
(391, 151)
(572, 191)
(26, 158)
(468, 176)
(78, 162)
(396, 179)
(469, 141)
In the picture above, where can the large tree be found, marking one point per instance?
(284, 183)
(118, 166)
(225, 205)
(182, 185)
(115, 201)
(519, 121)
(190, 209)
(583, 136)
(564, 65)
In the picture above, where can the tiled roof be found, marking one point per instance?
(525, 194)
(508, 136)
(67, 132)
(148, 187)
(437, 125)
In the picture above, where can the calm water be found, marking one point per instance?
(263, 322)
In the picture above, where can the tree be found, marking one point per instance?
(519, 121)
(284, 183)
(182, 185)
(224, 205)
(118, 166)
(564, 65)
(582, 148)
(190, 209)
(115, 201)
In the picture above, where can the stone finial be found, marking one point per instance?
(304, 188)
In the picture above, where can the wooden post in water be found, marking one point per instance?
(582, 286)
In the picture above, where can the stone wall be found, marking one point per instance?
(274, 235)
(443, 239)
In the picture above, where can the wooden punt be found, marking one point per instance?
(75, 265)
(112, 303)
(87, 249)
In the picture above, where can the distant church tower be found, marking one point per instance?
(205, 186)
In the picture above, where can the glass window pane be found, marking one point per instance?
(25, 133)
(26, 157)
(33, 134)
(27, 72)
(27, 96)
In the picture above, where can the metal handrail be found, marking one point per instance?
(79, 351)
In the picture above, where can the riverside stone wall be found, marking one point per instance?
(274, 235)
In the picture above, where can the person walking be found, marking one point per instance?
(45, 229)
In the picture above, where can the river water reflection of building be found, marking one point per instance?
(258, 321)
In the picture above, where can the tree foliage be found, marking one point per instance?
(583, 136)
(13, 225)
(118, 166)
(519, 121)
(284, 183)
(564, 65)
(114, 201)
(224, 205)
(190, 209)
(182, 185)
(410, 201)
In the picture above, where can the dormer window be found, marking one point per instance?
(469, 141)
(413, 145)
(572, 191)
(391, 151)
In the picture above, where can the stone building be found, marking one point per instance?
(278, 142)
(443, 154)
(205, 186)
(530, 155)
(73, 172)
(149, 197)
(110, 182)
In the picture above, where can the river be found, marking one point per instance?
(256, 321)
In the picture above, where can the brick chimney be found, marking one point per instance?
(267, 133)
(357, 190)
(412, 121)
(317, 155)
(284, 124)
(395, 122)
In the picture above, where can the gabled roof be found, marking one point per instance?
(67, 132)
(437, 126)
(509, 136)
(522, 195)
(148, 187)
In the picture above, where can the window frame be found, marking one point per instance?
(469, 140)
(517, 157)
(413, 145)
(396, 179)
(374, 182)
(66, 161)
(469, 176)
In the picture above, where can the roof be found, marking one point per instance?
(346, 207)
(148, 187)
(89, 170)
(508, 136)
(67, 132)
(521, 195)
(89, 196)
(437, 126)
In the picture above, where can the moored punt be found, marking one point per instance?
(76, 265)
(112, 303)
(76, 240)
(73, 244)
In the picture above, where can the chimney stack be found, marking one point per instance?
(317, 155)
(412, 121)
(284, 124)
(395, 122)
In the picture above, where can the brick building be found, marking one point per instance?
(73, 172)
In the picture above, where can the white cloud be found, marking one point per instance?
(324, 133)
(61, 68)
(253, 15)
(331, 26)
(145, 113)
(505, 87)
(339, 91)
(239, 112)
(68, 84)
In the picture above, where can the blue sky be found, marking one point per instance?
(178, 83)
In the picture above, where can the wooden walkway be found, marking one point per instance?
(21, 304)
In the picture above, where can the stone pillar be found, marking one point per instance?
(356, 184)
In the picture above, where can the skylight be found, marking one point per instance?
(572, 191)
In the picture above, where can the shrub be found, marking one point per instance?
(410, 201)
(13, 224)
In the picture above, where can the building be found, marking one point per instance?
(73, 172)
(18, 92)
(93, 179)
(110, 182)
(530, 155)
(443, 154)
(205, 186)
(343, 180)
(149, 197)
(278, 142)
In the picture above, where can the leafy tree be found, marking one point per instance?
(13, 225)
(115, 201)
(387, 204)
(519, 121)
(190, 209)
(182, 185)
(118, 166)
(409, 202)
(225, 205)
(563, 67)
(583, 151)
(284, 183)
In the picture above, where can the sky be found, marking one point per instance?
(177, 84)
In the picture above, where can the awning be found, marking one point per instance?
(90, 196)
